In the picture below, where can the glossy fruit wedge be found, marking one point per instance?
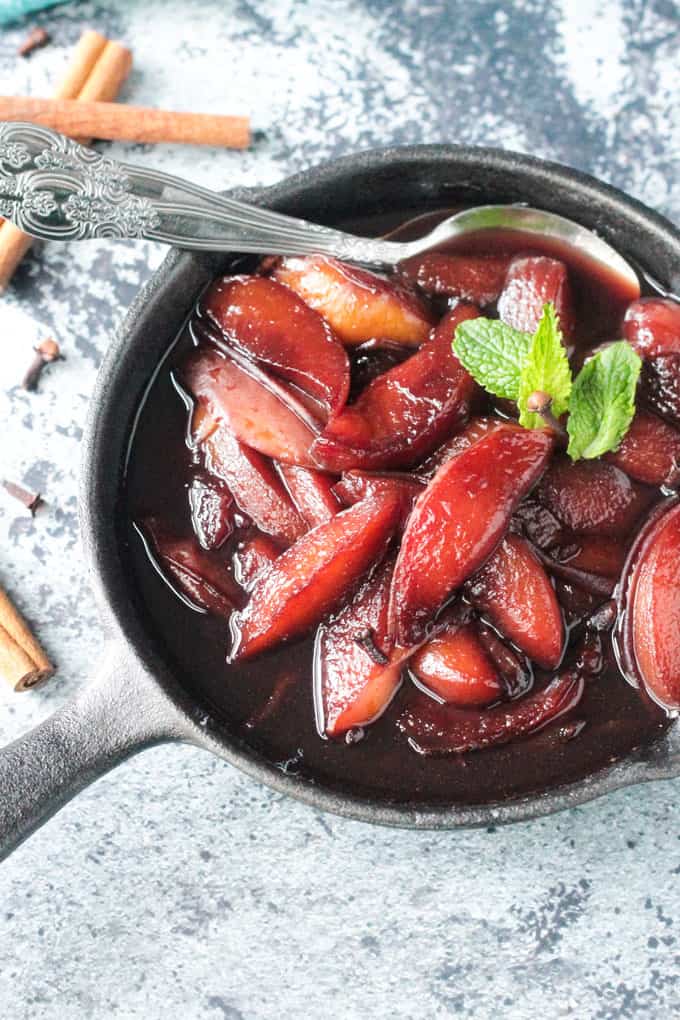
(434, 729)
(514, 591)
(652, 327)
(254, 484)
(595, 554)
(660, 386)
(475, 278)
(311, 492)
(357, 485)
(592, 497)
(456, 667)
(459, 520)
(312, 577)
(407, 411)
(354, 677)
(272, 325)
(259, 415)
(650, 608)
(650, 450)
(475, 429)
(204, 581)
(212, 512)
(357, 304)
(532, 281)
(252, 557)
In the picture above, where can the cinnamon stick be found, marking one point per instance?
(106, 64)
(128, 123)
(23, 663)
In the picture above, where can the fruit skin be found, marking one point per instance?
(311, 492)
(652, 327)
(310, 579)
(650, 450)
(203, 580)
(475, 278)
(358, 305)
(532, 281)
(592, 496)
(254, 484)
(650, 608)
(459, 520)
(258, 416)
(660, 386)
(405, 412)
(212, 517)
(455, 667)
(594, 554)
(474, 430)
(514, 591)
(351, 689)
(435, 729)
(272, 325)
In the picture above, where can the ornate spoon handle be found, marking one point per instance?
(55, 189)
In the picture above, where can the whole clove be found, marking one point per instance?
(45, 353)
(540, 403)
(31, 500)
(365, 640)
(35, 40)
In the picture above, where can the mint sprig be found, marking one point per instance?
(602, 401)
(546, 370)
(520, 366)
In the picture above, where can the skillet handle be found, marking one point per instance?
(119, 713)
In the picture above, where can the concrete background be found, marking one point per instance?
(176, 887)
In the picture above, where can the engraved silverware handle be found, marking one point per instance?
(57, 190)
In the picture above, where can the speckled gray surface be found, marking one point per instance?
(175, 887)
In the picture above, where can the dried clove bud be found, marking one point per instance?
(31, 500)
(365, 640)
(45, 353)
(540, 403)
(35, 40)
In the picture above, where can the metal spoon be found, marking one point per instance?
(55, 189)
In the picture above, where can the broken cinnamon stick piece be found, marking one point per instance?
(23, 663)
(114, 122)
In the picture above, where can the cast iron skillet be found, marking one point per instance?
(135, 701)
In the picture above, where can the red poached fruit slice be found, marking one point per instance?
(475, 278)
(357, 304)
(435, 729)
(312, 492)
(514, 591)
(532, 281)
(660, 386)
(459, 520)
(212, 512)
(594, 554)
(652, 327)
(592, 497)
(259, 416)
(354, 675)
(456, 667)
(407, 411)
(650, 450)
(650, 608)
(311, 578)
(357, 485)
(271, 324)
(203, 580)
(254, 484)
(252, 557)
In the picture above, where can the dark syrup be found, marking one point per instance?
(269, 702)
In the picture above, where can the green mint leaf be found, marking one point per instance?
(493, 354)
(602, 401)
(546, 368)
